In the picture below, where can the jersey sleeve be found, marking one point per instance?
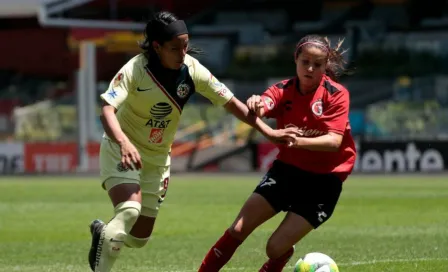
(335, 117)
(210, 87)
(271, 101)
(122, 84)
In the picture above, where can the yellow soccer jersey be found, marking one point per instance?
(149, 100)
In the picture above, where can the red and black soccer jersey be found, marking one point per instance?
(316, 114)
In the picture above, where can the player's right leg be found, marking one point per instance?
(124, 191)
(262, 205)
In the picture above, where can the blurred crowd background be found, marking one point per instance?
(397, 50)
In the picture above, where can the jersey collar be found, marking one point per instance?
(321, 84)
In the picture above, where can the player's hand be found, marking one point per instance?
(255, 105)
(293, 142)
(130, 158)
(284, 136)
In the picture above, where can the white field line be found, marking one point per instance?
(357, 263)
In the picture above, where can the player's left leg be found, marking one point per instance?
(280, 246)
(154, 185)
(317, 196)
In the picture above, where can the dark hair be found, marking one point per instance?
(153, 27)
(335, 66)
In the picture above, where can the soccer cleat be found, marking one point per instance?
(96, 228)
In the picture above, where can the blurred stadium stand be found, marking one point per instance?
(399, 89)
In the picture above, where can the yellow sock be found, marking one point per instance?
(114, 234)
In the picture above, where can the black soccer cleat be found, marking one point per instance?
(96, 228)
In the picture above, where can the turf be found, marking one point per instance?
(381, 224)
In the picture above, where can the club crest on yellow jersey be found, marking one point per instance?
(183, 90)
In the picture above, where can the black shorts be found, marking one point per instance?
(310, 195)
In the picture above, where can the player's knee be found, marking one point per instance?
(129, 211)
(134, 242)
(131, 215)
(238, 231)
(273, 250)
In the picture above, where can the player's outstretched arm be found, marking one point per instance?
(242, 112)
(329, 142)
(211, 88)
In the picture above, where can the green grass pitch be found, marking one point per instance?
(382, 223)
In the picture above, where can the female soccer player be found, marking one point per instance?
(306, 179)
(140, 115)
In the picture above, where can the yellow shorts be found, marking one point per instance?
(153, 179)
